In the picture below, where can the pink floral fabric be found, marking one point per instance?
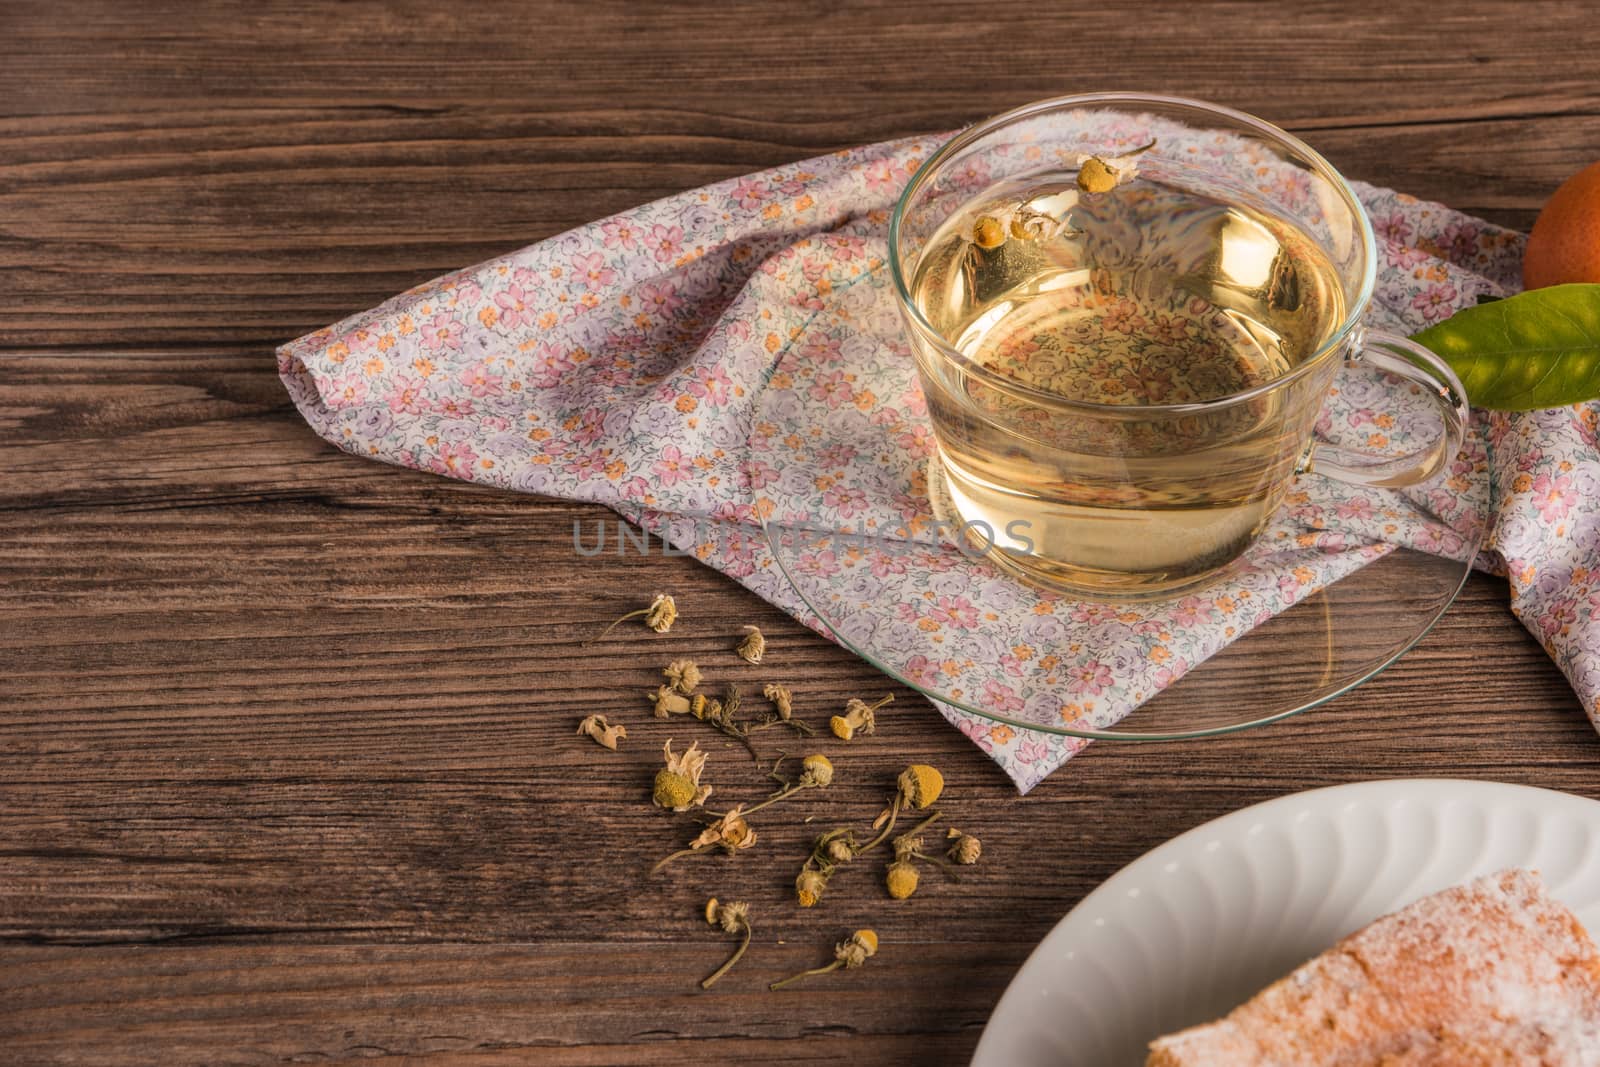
(726, 368)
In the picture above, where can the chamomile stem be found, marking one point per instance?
(834, 966)
(948, 868)
(791, 791)
(619, 622)
(726, 967)
(923, 825)
(888, 827)
(675, 855)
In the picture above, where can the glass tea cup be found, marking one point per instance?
(1126, 312)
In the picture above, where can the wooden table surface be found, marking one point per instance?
(287, 764)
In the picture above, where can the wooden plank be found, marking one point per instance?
(348, 155)
(557, 1003)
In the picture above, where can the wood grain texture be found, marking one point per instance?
(287, 769)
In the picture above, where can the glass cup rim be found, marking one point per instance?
(1335, 342)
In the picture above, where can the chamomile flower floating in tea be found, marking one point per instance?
(859, 718)
(677, 785)
(752, 647)
(604, 733)
(734, 918)
(1097, 174)
(659, 616)
(849, 953)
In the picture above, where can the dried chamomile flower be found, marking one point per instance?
(753, 647)
(667, 701)
(783, 700)
(1097, 174)
(920, 784)
(901, 879)
(605, 734)
(828, 851)
(840, 849)
(964, 848)
(734, 918)
(659, 616)
(816, 770)
(810, 884)
(849, 953)
(859, 718)
(682, 675)
(678, 783)
(721, 714)
(731, 833)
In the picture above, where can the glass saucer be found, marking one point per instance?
(1325, 645)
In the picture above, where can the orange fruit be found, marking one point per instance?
(1565, 243)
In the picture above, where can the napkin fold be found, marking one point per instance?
(732, 356)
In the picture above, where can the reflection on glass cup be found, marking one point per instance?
(1126, 312)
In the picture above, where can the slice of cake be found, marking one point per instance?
(1492, 972)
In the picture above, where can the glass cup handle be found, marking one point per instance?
(1389, 353)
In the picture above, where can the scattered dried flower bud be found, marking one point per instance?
(678, 783)
(731, 833)
(753, 647)
(858, 717)
(964, 848)
(781, 699)
(697, 705)
(920, 785)
(906, 846)
(595, 726)
(667, 702)
(863, 945)
(901, 879)
(809, 886)
(852, 952)
(734, 919)
(683, 675)
(816, 770)
(731, 917)
(987, 233)
(840, 850)
(661, 614)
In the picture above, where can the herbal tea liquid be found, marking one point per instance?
(1141, 295)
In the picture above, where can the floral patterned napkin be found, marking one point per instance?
(732, 355)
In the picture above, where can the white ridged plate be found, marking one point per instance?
(1196, 926)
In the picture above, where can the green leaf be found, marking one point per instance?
(1538, 349)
